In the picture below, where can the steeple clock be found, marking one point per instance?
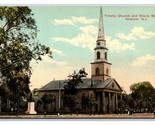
(101, 68)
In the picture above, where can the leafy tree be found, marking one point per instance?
(142, 92)
(90, 102)
(132, 104)
(70, 102)
(18, 46)
(121, 105)
(47, 98)
(70, 89)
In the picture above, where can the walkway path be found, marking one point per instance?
(82, 116)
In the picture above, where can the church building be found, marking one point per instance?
(105, 89)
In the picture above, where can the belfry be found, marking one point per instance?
(101, 68)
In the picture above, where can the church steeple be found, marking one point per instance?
(101, 68)
(101, 49)
(101, 30)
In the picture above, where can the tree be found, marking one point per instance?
(18, 46)
(142, 92)
(47, 98)
(121, 105)
(89, 101)
(70, 89)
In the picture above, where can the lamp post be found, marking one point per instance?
(59, 98)
(0, 103)
(150, 102)
(0, 99)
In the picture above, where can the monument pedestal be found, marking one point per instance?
(30, 108)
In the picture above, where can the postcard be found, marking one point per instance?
(77, 62)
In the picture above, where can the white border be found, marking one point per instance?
(77, 122)
(77, 2)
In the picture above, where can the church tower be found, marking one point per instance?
(101, 68)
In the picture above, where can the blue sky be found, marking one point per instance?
(71, 32)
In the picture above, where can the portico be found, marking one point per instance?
(107, 102)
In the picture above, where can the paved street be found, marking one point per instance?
(82, 116)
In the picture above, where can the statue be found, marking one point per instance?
(31, 105)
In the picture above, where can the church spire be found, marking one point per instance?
(101, 30)
(101, 68)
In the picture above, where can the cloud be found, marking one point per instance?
(57, 51)
(88, 41)
(89, 29)
(73, 20)
(143, 60)
(136, 32)
(139, 32)
(83, 20)
(63, 22)
(126, 37)
(83, 40)
(46, 59)
(62, 63)
(88, 36)
(116, 45)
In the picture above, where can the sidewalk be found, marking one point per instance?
(82, 116)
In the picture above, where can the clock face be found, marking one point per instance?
(98, 43)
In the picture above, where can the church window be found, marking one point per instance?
(83, 103)
(97, 71)
(106, 55)
(98, 43)
(98, 55)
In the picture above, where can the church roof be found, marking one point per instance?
(87, 84)
(53, 85)
(110, 84)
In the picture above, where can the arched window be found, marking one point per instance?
(98, 55)
(97, 70)
(83, 102)
(106, 55)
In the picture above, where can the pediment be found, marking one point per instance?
(113, 85)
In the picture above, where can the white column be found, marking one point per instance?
(98, 102)
(113, 103)
(104, 103)
(116, 104)
(109, 102)
(121, 96)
